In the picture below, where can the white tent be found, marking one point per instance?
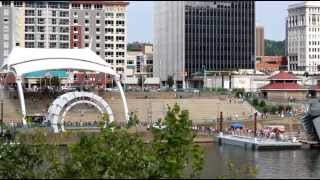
(25, 60)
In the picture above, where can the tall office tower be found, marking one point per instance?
(303, 36)
(259, 40)
(66, 24)
(193, 36)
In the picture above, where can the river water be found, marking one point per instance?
(302, 163)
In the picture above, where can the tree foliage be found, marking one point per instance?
(274, 48)
(113, 153)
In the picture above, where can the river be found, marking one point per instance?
(270, 164)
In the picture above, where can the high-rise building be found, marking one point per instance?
(259, 40)
(303, 36)
(66, 24)
(193, 36)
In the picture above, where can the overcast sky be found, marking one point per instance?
(271, 14)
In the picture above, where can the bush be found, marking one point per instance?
(273, 109)
(262, 103)
(265, 109)
(255, 102)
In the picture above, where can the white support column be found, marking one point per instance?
(124, 100)
(21, 97)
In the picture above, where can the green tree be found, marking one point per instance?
(262, 103)
(274, 48)
(274, 109)
(255, 102)
(117, 154)
(170, 81)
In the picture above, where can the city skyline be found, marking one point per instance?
(274, 23)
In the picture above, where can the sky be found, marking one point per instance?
(270, 14)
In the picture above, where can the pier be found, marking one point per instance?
(256, 143)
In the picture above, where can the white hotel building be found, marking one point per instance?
(303, 37)
(66, 24)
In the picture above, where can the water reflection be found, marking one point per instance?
(271, 164)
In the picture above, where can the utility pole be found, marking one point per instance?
(221, 120)
(255, 124)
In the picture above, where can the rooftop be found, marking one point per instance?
(283, 75)
(283, 86)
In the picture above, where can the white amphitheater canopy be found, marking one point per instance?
(25, 60)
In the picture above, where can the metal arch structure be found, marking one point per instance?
(60, 107)
(25, 60)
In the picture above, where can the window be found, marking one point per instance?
(29, 28)
(41, 44)
(119, 69)
(17, 44)
(29, 44)
(109, 15)
(119, 23)
(6, 3)
(108, 53)
(41, 21)
(29, 21)
(120, 46)
(53, 37)
(120, 15)
(109, 22)
(86, 29)
(41, 36)
(86, 44)
(86, 37)
(64, 13)
(64, 21)
(75, 6)
(98, 29)
(118, 30)
(120, 38)
(108, 46)
(86, 6)
(64, 29)
(75, 13)
(86, 21)
(97, 52)
(17, 4)
(98, 45)
(110, 61)
(39, 13)
(64, 5)
(53, 5)
(64, 45)
(54, 13)
(108, 38)
(119, 54)
(129, 62)
(97, 6)
(97, 21)
(64, 37)
(29, 12)
(98, 37)
(75, 21)
(40, 28)
(109, 30)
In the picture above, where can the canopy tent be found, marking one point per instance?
(237, 125)
(27, 60)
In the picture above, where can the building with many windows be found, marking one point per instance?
(303, 36)
(193, 36)
(66, 24)
(259, 40)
